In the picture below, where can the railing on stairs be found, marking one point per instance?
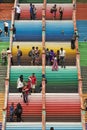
(43, 67)
(8, 71)
(78, 66)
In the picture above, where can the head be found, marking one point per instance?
(12, 25)
(30, 4)
(18, 47)
(33, 74)
(36, 48)
(21, 76)
(33, 48)
(33, 6)
(43, 76)
(55, 5)
(61, 49)
(18, 105)
(18, 5)
(47, 49)
(51, 128)
(8, 48)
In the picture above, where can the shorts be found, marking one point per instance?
(33, 86)
(6, 29)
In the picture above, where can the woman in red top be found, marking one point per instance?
(25, 91)
(33, 82)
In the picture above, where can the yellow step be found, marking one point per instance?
(1, 106)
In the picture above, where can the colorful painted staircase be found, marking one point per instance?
(62, 106)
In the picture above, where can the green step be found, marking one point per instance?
(48, 1)
(83, 53)
(61, 79)
(82, 1)
(84, 78)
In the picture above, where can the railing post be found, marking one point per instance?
(5, 104)
(43, 67)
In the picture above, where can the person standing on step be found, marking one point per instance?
(6, 25)
(4, 57)
(20, 83)
(18, 12)
(55, 64)
(61, 10)
(31, 12)
(9, 52)
(37, 55)
(47, 56)
(0, 31)
(19, 54)
(25, 91)
(14, 31)
(62, 57)
(18, 112)
(29, 85)
(33, 82)
(53, 11)
(31, 54)
(34, 12)
(12, 112)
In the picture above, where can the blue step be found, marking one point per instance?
(82, 29)
(55, 30)
(38, 126)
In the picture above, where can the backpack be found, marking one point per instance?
(20, 53)
(51, 10)
(30, 53)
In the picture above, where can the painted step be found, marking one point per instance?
(61, 81)
(55, 30)
(59, 107)
(1, 105)
(38, 126)
(48, 1)
(83, 53)
(82, 29)
(27, 46)
(5, 9)
(67, 15)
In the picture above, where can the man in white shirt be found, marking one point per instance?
(62, 57)
(6, 28)
(18, 12)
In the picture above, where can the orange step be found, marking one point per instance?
(5, 11)
(1, 106)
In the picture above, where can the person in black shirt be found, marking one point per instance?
(61, 12)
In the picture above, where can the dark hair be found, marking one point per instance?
(33, 47)
(17, 46)
(51, 128)
(21, 78)
(33, 73)
(36, 47)
(8, 48)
